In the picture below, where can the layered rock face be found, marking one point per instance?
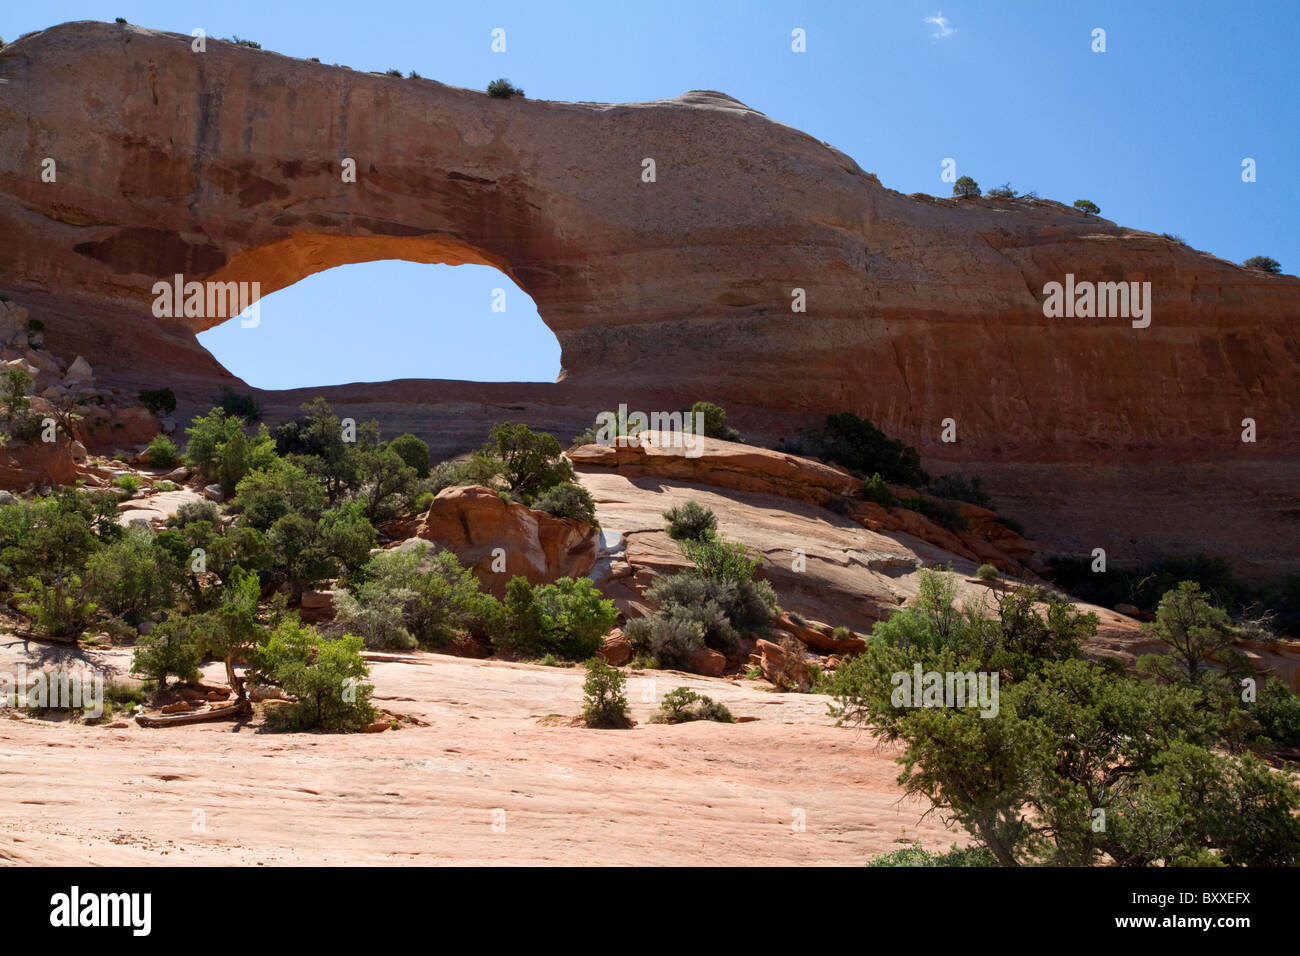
(228, 165)
(723, 464)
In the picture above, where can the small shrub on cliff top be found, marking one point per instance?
(502, 89)
(604, 700)
(478, 469)
(530, 462)
(691, 522)
(568, 500)
(715, 421)
(965, 187)
(1087, 206)
(1265, 263)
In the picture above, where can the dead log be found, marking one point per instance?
(235, 710)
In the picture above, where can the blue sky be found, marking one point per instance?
(1153, 130)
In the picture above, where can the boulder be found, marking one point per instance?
(1129, 610)
(79, 372)
(819, 640)
(21, 363)
(317, 599)
(44, 362)
(316, 607)
(40, 463)
(616, 650)
(481, 529)
(707, 662)
(784, 665)
(102, 428)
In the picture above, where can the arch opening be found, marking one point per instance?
(389, 319)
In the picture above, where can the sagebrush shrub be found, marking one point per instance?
(691, 522)
(683, 704)
(671, 636)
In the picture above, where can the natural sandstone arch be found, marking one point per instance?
(388, 318)
(227, 163)
(278, 265)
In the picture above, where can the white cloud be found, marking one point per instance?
(940, 21)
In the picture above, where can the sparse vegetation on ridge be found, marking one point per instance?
(503, 89)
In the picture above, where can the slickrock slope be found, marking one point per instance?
(693, 794)
(226, 165)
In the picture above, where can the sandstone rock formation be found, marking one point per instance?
(481, 528)
(722, 464)
(737, 467)
(36, 465)
(226, 166)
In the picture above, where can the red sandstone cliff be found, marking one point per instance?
(226, 165)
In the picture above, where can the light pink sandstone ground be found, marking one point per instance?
(691, 794)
